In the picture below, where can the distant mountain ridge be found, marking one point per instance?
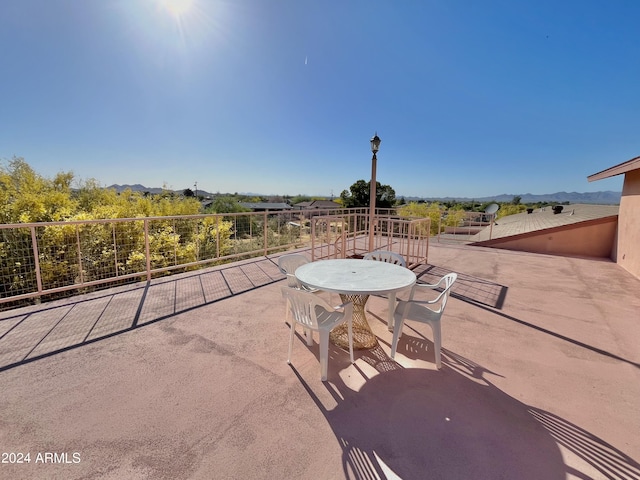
(154, 190)
(601, 198)
(134, 188)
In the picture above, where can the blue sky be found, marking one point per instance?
(470, 98)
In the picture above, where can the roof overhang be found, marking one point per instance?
(633, 164)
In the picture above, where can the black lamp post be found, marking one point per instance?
(375, 145)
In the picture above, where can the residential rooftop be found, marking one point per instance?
(543, 218)
(186, 377)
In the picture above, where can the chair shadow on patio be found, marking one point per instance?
(467, 287)
(454, 423)
(488, 296)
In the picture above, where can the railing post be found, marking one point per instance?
(79, 254)
(36, 259)
(312, 232)
(218, 237)
(147, 249)
(264, 232)
(198, 245)
(175, 242)
(115, 248)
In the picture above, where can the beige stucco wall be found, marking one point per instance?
(628, 244)
(592, 238)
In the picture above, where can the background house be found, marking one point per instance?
(317, 204)
(626, 251)
(264, 206)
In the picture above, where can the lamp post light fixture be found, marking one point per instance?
(375, 145)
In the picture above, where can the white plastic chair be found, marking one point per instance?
(288, 265)
(315, 314)
(388, 257)
(424, 311)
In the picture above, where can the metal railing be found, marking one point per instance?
(40, 260)
(48, 259)
(463, 226)
(347, 235)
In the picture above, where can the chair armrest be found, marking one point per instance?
(293, 281)
(429, 285)
(424, 302)
(340, 307)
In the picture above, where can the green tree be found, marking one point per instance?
(27, 197)
(107, 248)
(359, 193)
(227, 204)
(423, 210)
(510, 209)
(299, 199)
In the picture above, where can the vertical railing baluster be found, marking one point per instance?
(79, 254)
(265, 226)
(217, 237)
(36, 259)
(175, 242)
(493, 216)
(115, 247)
(312, 229)
(197, 239)
(147, 248)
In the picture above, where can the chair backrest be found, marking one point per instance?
(448, 281)
(386, 256)
(305, 306)
(288, 265)
(445, 283)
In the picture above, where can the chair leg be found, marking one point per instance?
(392, 308)
(397, 329)
(350, 330)
(324, 353)
(291, 335)
(367, 306)
(308, 334)
(437, 342)
(287, 312)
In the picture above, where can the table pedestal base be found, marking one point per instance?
(363, 337)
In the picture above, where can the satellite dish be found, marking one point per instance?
(491, 209)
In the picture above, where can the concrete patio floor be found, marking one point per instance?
(186, 378)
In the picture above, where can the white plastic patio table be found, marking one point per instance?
(355, 280)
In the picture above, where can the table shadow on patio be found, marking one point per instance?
(453, 424)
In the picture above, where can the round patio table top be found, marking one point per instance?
(355, 277)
